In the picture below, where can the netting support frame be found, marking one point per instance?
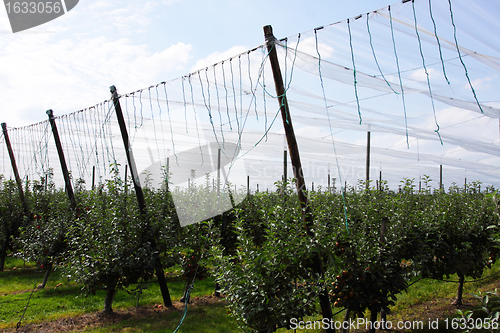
(162, 282)
(62, 160)
(16, 171)
(293, 149)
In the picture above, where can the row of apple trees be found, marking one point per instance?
(105, 242)
(371, 242)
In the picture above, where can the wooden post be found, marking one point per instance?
(16, 172)
(62, 160)
(296, 163)
(367, 160)
(14, 228)
(248, 185)
(93, 177)
(285, 168)
(140, 195)
(67, 182)
(380, 180)
(441, 177)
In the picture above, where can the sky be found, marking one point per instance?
(69, 63)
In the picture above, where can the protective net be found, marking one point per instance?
(420, 76)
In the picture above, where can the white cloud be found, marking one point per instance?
(308, 46)
(483, 83)
(419, 75)
(45, 74)
(218, 57)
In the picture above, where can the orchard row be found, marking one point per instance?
(370, 243)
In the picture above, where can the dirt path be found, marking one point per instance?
(97, 319)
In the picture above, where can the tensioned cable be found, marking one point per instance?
(185, 104)
(374, 55)
(251, 85)
(154, 125)
(331, 130)
(261, 72)
(460, 57)
(353, 69)
(438, 43)
(426, 72)
(241, 86)
(195, 117)
(140, 101)
(399, 75)
(234, 95)
(225, 89)
(207, 106)
(160, 113)
(170, 122)
(218, 107)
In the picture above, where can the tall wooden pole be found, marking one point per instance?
(16, 172)
(62, 160)
(368, 160)
(441, 177)
(140, 195)
(380, 180)
(295, 159)
(14, 227)
(285, 164)
(93, 177)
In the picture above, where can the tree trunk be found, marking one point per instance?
(345, 328)
(48, 270)
(461, 280)
(217, 288)
(383, 319)
(162, 282)
(373, 319)
(189, 282)
(110, 296)
(3, 255)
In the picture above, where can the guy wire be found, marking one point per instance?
(208, 105)
(374, 55)
(170, 122)
(234, 95)
(438, 42)
(461, 60)
(353, 68)
(426, 72)
(331, 131)
(225, 88)
(218, 106)
(195, 117)
(399, 75)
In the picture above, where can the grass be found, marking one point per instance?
(425, 300)
(62, 298)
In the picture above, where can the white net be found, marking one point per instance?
(421, 76)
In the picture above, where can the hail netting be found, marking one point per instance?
(88, 138)
(420, 76)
